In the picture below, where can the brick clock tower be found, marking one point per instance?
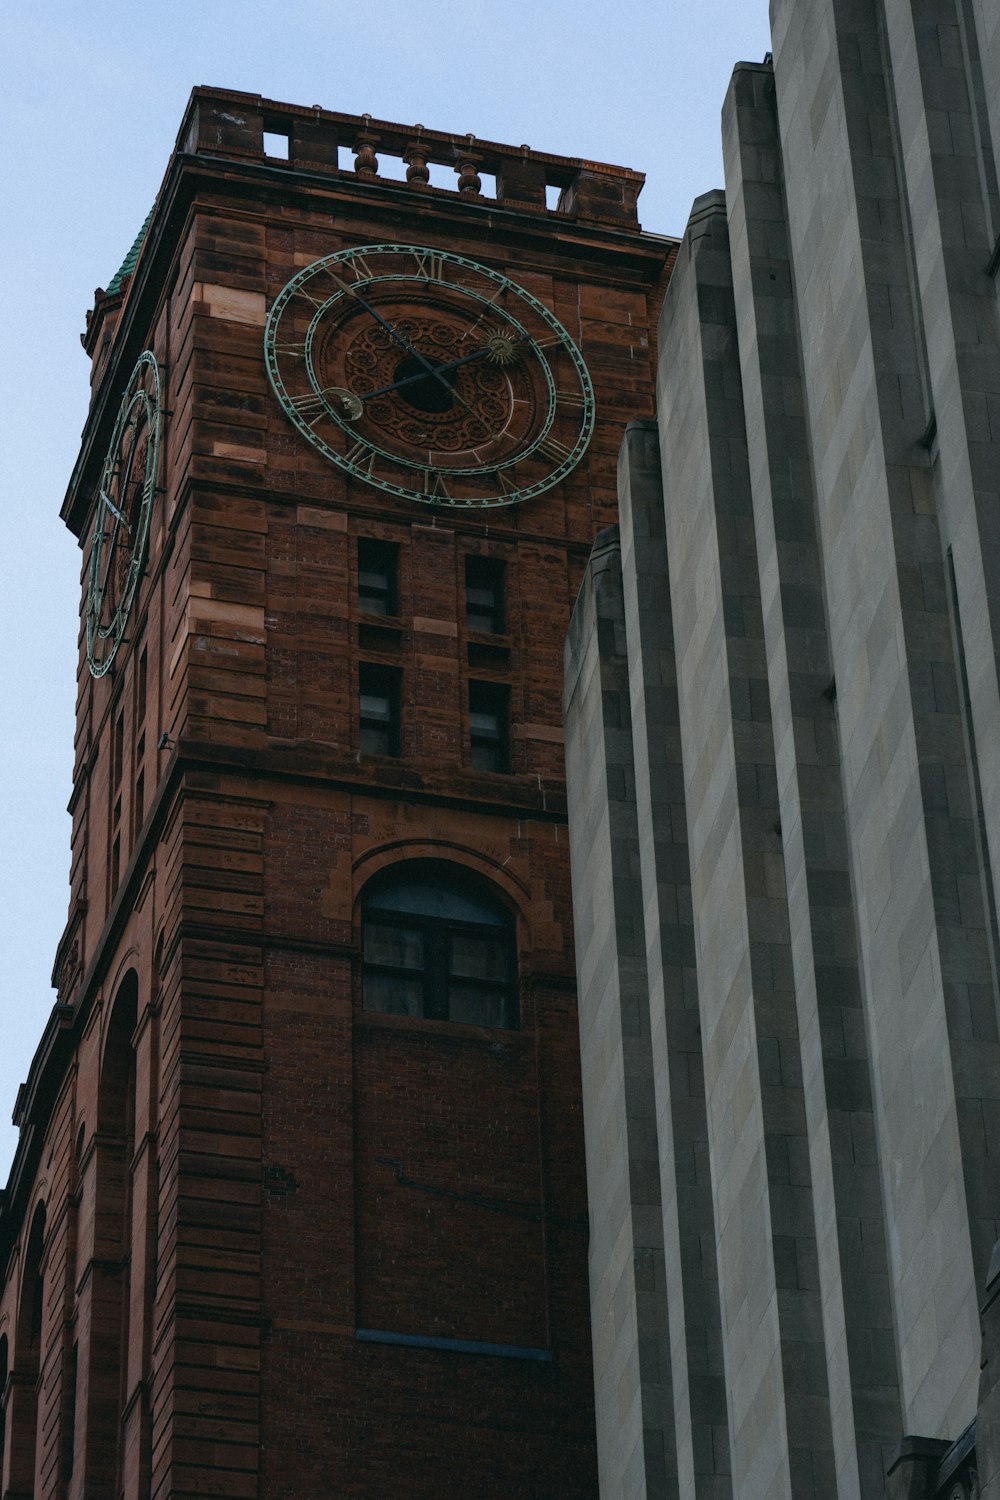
(298, 1207)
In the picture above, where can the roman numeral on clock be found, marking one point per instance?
(309, 406)
(308, 297)
(362, 270)
(554, 449)
(570, 400)
(431, 265)
(360, 456)
(434, 484)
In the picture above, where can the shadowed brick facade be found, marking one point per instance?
(783, 744)
(259, 1240)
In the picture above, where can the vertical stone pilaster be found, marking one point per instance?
(698, 1374)
(857, 1310)
(948, 172)
(988, 1415)
(870, 322)
(637, 1457)
(986, 19)
(772, 1326)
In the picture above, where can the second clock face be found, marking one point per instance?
(429, 376)
(124, 505)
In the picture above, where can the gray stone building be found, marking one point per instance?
(783, 746)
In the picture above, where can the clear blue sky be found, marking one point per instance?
(93, 98)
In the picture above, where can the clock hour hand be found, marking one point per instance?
(439, 370)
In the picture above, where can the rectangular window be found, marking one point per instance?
(379, 709)
(378, 576)
(394, 969)
(478, 979)
(141, 686)
(484, 591)
(118, 749)
(489, 714)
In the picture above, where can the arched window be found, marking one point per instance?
(437, 943)
(116, 1122)
(3, 1401)
(23, 1433)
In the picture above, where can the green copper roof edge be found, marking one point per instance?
(128, 264)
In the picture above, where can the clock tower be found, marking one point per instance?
(299, 1202)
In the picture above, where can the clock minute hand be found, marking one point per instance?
(392, 332)
(403, 343)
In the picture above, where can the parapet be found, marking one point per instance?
(223, 123)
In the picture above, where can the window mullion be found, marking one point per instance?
(437, 971)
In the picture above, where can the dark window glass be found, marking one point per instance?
(484, 591)
(379, 709)
(118, 749)
(378, 576)
(488, 726)
(439, 945)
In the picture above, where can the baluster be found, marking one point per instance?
(417, 172)
(365, 160)
(469, 181)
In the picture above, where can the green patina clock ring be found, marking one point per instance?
(124, 506)
(428, 427)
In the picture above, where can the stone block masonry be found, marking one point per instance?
(810, 577)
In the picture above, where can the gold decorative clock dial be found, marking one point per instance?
(429, 376)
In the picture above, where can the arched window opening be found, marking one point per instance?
(438, 943)
(4, 1363)
(24, 1404)
(116, 1122)
(29, 1330)
(116, 1102)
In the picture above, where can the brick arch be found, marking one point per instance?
(116, 1045)
(31, 1276)
(128, 963)
(475, 879)
(496, 873)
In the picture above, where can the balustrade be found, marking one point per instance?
(234, 125)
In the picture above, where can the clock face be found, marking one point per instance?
(429, 376)
(124, 503)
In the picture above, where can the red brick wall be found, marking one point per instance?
(267, 1226)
